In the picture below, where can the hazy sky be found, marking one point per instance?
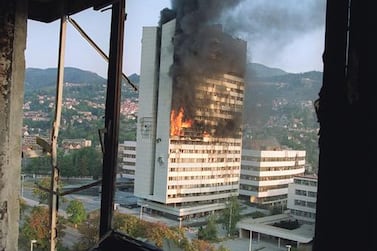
(285, 34)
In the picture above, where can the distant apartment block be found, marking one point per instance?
(302, 198)
(127, 159)
(266, 172)
(74, 144)
(189, 134)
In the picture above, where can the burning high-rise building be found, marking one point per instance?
(189, 134)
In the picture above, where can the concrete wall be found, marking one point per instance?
(146, 125)
(163, 112)
(13, 25)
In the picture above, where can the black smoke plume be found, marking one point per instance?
(202, 49)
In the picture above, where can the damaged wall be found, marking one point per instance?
(13, 25)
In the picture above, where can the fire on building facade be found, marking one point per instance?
(189, 136)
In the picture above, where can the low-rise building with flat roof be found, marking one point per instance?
(302, 198)
(266, 172)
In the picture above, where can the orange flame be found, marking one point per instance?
(177, 122)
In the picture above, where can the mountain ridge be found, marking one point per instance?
(40, 77)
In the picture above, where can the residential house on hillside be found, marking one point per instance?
(71, 144)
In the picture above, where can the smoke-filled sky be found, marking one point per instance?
(285, 34)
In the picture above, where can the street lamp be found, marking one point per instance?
(230, 216)
(141, 210)
(251, 239)
(22, 184)
(180, 222)
(32, 242)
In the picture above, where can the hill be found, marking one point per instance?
(39, 78)
(273, 92)
(255, 71)
(85, 83)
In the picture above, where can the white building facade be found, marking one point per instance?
(184, 165)
(302, 198)
(127, 159)
(266, 174)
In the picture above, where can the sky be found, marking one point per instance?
(285, 34)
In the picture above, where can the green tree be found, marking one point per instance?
(67, 169)
(38, 165)
(202, 245)
(231, 215)
(209, 232)
(76, 212)
(43, 196)
(36, 226)
(40, 193)
(89, 232)
(128, 224)
(157, 233)
(87, 161)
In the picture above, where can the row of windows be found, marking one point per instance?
(203, 177)
(129, 156)
(303, 213)
(204, 143)
(203, 169)
(128, 171)
(306, 193)
(201, 194)
(129, 163)
(204, 160)
(221, 106)
(266, 168)
(226, 98)
(261, 188)
(303, 203)
(272, 199)
(272, 159)
(265, 178)
(221, 81)
(191, 186)
(205, 151)
(131, 148)
(222, 91)
(224, 83)
(306, 182)
(215, 115)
